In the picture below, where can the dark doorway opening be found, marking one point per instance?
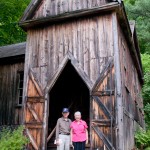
(68, 91)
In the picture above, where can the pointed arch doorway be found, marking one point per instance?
(69, 91)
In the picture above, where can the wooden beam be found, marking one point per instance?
(51, 134)
(34, 126)
(80, 71)
(104, 138)
(32, 140)
(102, 106)
(104, 73)
(52, 81)
(118, 93)
(33, 112)
(103, 93)
(34, 80)
(101, 122)
(45, 122)
(35, 100)
(33, 123)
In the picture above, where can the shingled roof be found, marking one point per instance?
(12, 50)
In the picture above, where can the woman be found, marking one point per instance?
(79, 133)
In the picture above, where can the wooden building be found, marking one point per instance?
(83, 55)
(11, 83)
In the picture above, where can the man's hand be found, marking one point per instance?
(57, 142)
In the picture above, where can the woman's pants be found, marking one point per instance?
(79, 145)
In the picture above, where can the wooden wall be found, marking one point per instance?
(88, 40)
(10, 114)
(131, 88)
(56, 7)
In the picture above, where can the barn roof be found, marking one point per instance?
(35, 4)
(12, 50)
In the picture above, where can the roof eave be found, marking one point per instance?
(69, 15)
(29, 12)
(124, 23)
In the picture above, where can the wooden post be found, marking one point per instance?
(118, 93)
(45, 121)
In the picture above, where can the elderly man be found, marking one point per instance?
(63, 131)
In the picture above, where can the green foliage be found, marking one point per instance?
(147, 115)
(12, 140)
(10, 13)
(146, 87)
(138, 10)
(142, 139)
(146, 69)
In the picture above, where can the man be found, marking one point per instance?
(63, 131)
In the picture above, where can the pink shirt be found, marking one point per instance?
(78, 131)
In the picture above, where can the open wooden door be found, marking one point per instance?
(103, 111)
(34, 113)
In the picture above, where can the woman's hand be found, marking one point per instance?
(87, 141)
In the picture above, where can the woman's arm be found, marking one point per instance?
(87, 138)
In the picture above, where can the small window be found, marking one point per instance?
(20, 87)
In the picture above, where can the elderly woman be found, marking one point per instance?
(79, 133)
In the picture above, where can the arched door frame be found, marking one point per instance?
(51, 83)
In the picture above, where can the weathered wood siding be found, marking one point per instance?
(56, 7)
(88, 40)
(10, 114)
(131, 88)
(103, 110)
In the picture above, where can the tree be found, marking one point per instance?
(11, 11)
(146, 87)
(139, 11)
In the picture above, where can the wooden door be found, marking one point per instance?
(102, 110)
(34, 113)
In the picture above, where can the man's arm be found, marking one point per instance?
(71, 136)
(57, 130)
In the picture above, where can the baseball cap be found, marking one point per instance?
(65, 110)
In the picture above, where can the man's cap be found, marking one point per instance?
(65, 110)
